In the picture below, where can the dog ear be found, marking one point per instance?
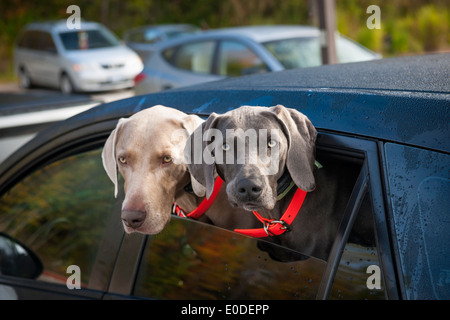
(301, 136)
(191, 122)
(202, 172)
(109, 155)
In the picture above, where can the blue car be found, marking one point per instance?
(385, 121)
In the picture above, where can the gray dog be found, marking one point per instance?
(266, 187)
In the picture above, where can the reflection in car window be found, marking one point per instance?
(236, 59)
(352, 276)
(60, 213)
(296, 53)
(192, 260)
(195, 57)
(419, 182)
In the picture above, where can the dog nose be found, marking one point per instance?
(133, 219)
(249, 189)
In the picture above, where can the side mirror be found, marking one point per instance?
(18, 260)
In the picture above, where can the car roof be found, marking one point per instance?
(164, 27)
(258, 34)
(267, 33)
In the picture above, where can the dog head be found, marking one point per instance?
(275, 139)
(147, 150)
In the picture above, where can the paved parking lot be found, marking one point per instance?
(98, 96)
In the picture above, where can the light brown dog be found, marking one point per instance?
(147, 149)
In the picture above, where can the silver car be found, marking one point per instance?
(228, 52)
(86, 59)
(142, 39)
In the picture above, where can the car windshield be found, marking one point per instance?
(305, 52)
(88, 39)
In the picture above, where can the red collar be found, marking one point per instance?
(272, 227)
(203, 206)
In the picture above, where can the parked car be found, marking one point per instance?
(387, 120)
(229, 52)
(87, 59)
(142, 39)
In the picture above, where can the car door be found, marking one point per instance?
(192, 260)
(61, 209)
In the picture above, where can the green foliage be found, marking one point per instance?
(408, 26)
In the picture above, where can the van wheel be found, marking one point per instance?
(66, 85)
(24, 79)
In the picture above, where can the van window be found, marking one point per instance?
(88, 39)
(46, 43)
(30, 40)
(37, 40)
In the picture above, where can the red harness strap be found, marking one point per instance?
(272, 227)
(203, 206)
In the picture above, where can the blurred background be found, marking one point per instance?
(407, 26)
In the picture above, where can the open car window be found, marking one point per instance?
(193, 260)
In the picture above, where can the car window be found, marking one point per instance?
(61, 212)
(236, 59)
(196, 57)
(305, 52)
(193, 260)
(88, 39)
(349, 51)
(419, 183)
(296, 53)
(47, 43)
(31, 39)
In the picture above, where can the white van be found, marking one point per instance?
(86, 59)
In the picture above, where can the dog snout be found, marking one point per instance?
(133, 219)
(249, 189)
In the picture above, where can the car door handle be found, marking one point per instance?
(167, 87)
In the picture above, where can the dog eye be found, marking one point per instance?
(123, 160)
(271, 143)
(225, 147)
(167, 159)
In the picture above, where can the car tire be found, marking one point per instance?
(24, 79)
(66, 85)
